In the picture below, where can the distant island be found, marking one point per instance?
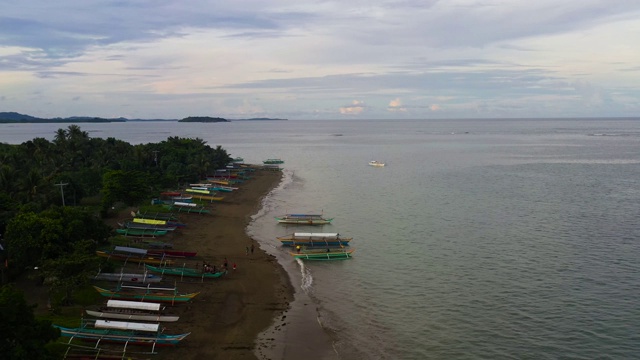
(206, 119)
(14, 117)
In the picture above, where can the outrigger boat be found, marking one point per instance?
(329, 253)
(208, 197)
(304, 219)
(273, 161)
(141, 232)
(133, 310)
(142, 226)
(376, 163)
(147, 334)
(314, 239)
(172, 253)
(188, 209)
(134, 255)
(124, 277)
(146, 294)
(186, 272)
(155, 216)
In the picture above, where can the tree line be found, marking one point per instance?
(46, 221)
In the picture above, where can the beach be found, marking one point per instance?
(226, 317)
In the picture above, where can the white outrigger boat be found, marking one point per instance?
(133, 310)
(376, 163)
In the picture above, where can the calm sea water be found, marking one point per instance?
(492, 239)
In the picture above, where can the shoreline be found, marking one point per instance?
(228, 315)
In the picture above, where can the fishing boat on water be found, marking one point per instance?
(376, 163)
(132, 310)
(314, 239)
(322, 254)
(134, 255)
(131, 333)
(303, 219)
(146, 294)
(186, 272)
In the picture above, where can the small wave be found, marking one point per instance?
(307, 279)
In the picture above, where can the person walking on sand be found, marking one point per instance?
(251, 249)
(247, 252)
(226, 264)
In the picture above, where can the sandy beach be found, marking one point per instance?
(229, 313)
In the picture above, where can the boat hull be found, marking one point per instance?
(186, 272)
(138, 317)
(321, 255)
(147, 297)
(121, 336)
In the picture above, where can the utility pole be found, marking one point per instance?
(155, 156)
(62, 190)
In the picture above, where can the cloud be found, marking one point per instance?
(356, 108)
(396, 106)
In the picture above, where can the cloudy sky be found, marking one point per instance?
(301, 59)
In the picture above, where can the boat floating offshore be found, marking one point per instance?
(376, 163)
(314, 239)
(322, 254)
(304, 219)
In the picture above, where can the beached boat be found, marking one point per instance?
(141, 232)
(132, 310)
(189, 209)
(208, 198)
(154, 215)
(136, 225)
(273, 161)
(134, 255)
(187, 272)
(304, 219)
(170, 193)
(146, 294)
(125, 277)
(171, 253)
(322, 254)
(147, 334)
(314, 239)
(376, 163)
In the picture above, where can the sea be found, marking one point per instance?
(479, 239)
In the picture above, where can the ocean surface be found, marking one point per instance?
(479, 239)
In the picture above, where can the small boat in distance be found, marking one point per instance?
(376, 163)
(273, 161)
(303, 219)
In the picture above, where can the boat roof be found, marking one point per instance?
(302, 215)
(123, 325)
(131, 250)
(133, 305)
(315, 234)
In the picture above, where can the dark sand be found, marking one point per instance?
(230, 312)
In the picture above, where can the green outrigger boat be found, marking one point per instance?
(184, 271)
(141, 232)
(322, 254)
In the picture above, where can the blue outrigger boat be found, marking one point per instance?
(314, 239)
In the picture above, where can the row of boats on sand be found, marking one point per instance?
(137, 306)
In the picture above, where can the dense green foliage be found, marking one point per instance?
(22, 337)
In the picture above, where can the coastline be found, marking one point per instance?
(227, 316)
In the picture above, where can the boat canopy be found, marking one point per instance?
(304, 215)
(315, 235)
(133, 305)
(131, 250)
(123, 325)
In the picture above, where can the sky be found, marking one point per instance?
(301, 59)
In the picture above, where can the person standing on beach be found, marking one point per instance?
(226, 264)
(247, 252)
(251, 249)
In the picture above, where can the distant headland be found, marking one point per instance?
(14, 117)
